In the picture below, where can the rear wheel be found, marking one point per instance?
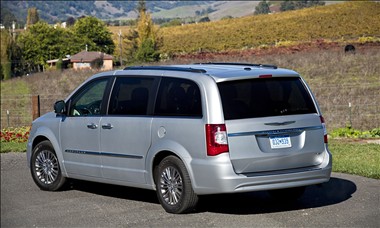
(45, 168)
(174, 190)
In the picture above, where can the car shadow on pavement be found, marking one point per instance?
(115, 191)
(333, 192)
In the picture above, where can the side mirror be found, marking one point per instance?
(60, 107)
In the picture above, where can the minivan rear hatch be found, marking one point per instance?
(272, 124)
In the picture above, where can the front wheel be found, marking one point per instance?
(174, 190)
(45, 168)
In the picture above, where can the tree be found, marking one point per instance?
(5, 39)
(129, 46)
(300, 4)
(96, 33)
(147, 51)
(292, 5)
(287, 5)
(312, 3)
(42, 42)
(204, 19)
(32, 17)
(141, 7)
(262, 8)
(70, 21)
(15, 58)
(5, 60)
(147, 40)
(7, 18)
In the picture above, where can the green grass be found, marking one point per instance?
(13, 147)
(355, 157)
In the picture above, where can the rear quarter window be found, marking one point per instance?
(178, 97)
(263, 97)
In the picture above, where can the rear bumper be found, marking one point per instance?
(218, 176)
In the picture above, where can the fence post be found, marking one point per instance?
(36, 111)
(8, 117)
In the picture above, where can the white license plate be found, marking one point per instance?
(277, 142)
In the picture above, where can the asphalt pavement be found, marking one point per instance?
(345, 201)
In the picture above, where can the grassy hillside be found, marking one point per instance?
(338, 22)
(222, 8)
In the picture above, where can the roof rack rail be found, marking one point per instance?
(167, 68)
(240, 64)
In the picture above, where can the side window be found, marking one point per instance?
(89, 99)
(130, 96)
(178, 97)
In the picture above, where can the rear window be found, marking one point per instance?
(264, 97)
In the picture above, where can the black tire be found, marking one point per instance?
(45, 168)
(288, 194)
(173, 186)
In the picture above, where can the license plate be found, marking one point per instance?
(277, 142)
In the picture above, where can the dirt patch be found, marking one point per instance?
(358, 140)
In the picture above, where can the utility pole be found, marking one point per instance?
(121, 48)
(13, 30)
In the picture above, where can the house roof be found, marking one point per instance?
(89, 56)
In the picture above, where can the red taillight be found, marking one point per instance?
(324, 129)
(216, 139)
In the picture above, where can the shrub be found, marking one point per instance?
(375, 132)
(368, 39)
(20, 134)
(349, 132)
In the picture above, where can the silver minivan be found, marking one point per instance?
(185, 131)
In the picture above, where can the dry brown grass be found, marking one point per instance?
(336, 79)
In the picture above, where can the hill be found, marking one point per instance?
(59, 11)
(337, 22)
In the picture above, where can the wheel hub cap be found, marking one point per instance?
(171, 185)
(46, 167)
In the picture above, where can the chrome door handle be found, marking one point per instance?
(92, 126)
(107, 126)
